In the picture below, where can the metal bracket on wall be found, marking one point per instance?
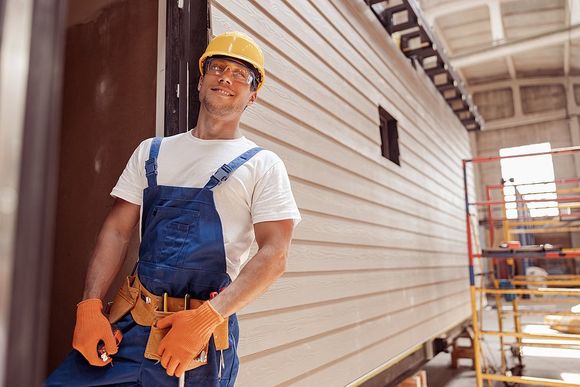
(402, 19)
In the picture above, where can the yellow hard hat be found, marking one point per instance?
(239, 46)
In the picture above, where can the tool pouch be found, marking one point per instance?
(157, 334)
(220, 336)
(124, 301)
(144, 312)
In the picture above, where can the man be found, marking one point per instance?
(202, 197)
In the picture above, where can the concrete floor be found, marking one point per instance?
(538, 362)
(440, 373)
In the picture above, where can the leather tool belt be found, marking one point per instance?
(145, 310)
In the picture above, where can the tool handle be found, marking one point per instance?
(101, 351)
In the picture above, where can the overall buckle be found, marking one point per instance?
(151, 167)
(223, 173)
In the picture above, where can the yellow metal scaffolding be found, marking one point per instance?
(530, 296)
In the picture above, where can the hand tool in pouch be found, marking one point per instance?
(185, 307)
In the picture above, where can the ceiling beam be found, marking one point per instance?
(446, 48)
(567, 58)
(498, 33)
(497, 30)
(448, 8)
(574, 9)
(511, 67)
(572, 18)
(501, 51)
(528, 119)
(443, 39)
(524, 82)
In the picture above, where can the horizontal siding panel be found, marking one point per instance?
(352, 366)
(306, 256)
(316, 227)
(261, 331)
(424, 159)
(293, 290)
(314, 198)
(273, 368)
(333, 165)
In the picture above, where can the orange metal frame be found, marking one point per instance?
(488, 203)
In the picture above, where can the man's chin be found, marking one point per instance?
(221, 109)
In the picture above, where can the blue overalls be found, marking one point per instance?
(182, 252)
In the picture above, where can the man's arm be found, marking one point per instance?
(111, 248)
(262, 270)
(191, 329)
(92, 326)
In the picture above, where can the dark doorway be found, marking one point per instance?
(108, 107)
(111, 103)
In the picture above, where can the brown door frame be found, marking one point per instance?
(32, 260)
(188, 24)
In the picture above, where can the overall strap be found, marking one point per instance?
(151, 164)
(226, 170)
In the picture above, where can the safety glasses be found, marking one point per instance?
(240, 73)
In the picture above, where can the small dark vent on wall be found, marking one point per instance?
(389, 136)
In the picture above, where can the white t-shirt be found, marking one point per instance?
(258, 191)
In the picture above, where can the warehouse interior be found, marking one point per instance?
(433, 148)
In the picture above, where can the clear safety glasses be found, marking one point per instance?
(240, 73)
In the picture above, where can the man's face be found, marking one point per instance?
(224, 89)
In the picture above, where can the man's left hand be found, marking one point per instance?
(190, 331)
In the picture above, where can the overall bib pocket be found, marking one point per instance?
(168, 231)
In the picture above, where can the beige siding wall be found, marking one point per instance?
(378, 263)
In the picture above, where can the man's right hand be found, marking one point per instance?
(91, 327)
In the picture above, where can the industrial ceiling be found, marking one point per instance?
(504, 48)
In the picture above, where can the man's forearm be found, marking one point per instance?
(106, 261)
(111, 248)
(255, 278)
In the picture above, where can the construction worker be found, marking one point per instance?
(202, 197)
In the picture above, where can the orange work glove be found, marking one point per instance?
(91, 327)
(190, 331)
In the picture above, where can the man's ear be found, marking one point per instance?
(199, 83)
(253, 98)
